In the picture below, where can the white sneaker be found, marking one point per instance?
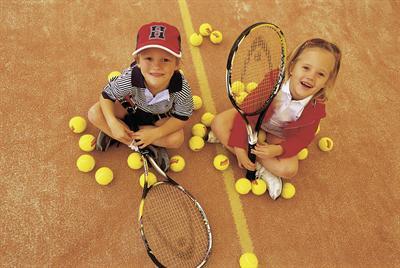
(274, 183)
(211, 138)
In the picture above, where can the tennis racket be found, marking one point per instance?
(173, 225)
(254, 73)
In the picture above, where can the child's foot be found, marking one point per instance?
(274, 183)
(211, 138)
(160, 155)
(104, 141)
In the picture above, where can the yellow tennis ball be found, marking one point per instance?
(196, 39)
(221, 162)
(241, 97)
(177, 163)
(325, 144)
(113, 75)
(216, 37)
(258, 187)
(303, 154)
(248, 260)
(104, 175)
(243, 94)
(85, 163)
(288, 190)
(197, 102)
(151, 179)
(135, 161)
(251, 86)
(196, 143)
(199, 129)
(237, 87)
(318, 129)
(207, 119)
(87, 142)
(77, 124)
(205, 29)
(239, 100)
(243, 186)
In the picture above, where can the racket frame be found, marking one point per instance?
(253, 134)
(146, 157)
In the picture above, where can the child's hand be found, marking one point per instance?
(145, 136)
(121, 132)
(243, 159)
(263, 150)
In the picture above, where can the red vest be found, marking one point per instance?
(298, 134)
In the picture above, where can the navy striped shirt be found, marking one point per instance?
(131, 82)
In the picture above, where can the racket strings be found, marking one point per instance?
(255, 69)
(174, 227)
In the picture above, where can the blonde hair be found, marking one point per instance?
(323, 44)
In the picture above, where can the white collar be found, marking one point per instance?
(160, 96)
(285, 89)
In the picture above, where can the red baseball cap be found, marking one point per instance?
(159, 35)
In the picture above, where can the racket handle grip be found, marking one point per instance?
(132, 122)
(135, 127)
(251, 175)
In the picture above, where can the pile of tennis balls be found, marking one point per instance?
(205, 30)
(258, 187)
(135, 162)
(87, 142)
(244, 186)
(240, 90)
(200, 130)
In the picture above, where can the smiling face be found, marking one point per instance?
(311, 72)
(157, 67)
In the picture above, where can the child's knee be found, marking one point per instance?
(93, 113)
(216, 122)
(213, 123)
(289, 171)
(175, 140)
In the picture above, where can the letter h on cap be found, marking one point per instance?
(157, 32)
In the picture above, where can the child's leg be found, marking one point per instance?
(222, 126)
(96, 117)
(285, 168)
(171, 141)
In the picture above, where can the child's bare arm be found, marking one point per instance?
(118, 129)
(243, 159)
(266, 150)
(147, 136)
(107, 107)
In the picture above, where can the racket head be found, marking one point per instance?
(174, 227)
(256, 68)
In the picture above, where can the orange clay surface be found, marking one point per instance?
(55, 58)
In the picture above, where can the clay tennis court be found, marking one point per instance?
(55, 58)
